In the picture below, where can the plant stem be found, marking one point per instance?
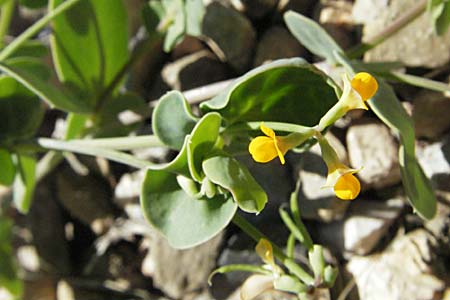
(389, 31)
(119, 143)
(35, 28)
(289, 263)
(113, 155)
(7, 12)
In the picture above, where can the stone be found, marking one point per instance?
(336, 18)
(269, 49)
(401, 272)
(86, 198)
(230, 34)
(177, 272)
(255, 9)
(194, 70)
(416, 45)
(300, 6)
(431, 111)
(435, 161)
(318, 203)
(128, 188)
(367, 222)
(372, 148)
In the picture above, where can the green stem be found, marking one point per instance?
(119, 143)
(113, 155)
(278, 126)
(392, 29)
(300, 232)
(7, 13)
(289, 263)
(35, 28)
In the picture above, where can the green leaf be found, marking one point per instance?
(33, 3)
(24, 182)
(290, 284)
(31, 48)
(176, 16)
(173, 119)
(20, 111)
(312, 36)
(195, 10)
(417, 186)
(440, 15)
(8, 274)
(317, 261)
(75, 125)
(287, 90)
(57, 97)
(228, 173)
(89, 51)
(201, 142)
(185, 221)
(8, 169)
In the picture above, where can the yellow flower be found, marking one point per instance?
(340, 177)
(265, 252)
(365, 84)
(346, 186)
(265, 148)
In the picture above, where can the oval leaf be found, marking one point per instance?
(173, 119)
(89, 51)
(182, 219)
(8, 169)
(235, 177)
(24, 182)
(287, 90)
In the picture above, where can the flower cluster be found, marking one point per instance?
(346, 186)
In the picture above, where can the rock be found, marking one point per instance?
(87, 198)
(38, 288)
(269, 49)
(177, 272)
(401, 272)
(255, 9)
(318, 203)
(46, 223)
(336, 18)
(416, 45)
(128, 188)
(372, 147)
(435, 161)
(193, 71)
(367, 223)
(301, 6)
(187, 46)
(230, 34)
(430, 114)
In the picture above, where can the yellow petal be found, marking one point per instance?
(365, 84)
(347, 187)
(265, 251)
(267, 131)
(280, 153)
(350, 98)
(263, 149)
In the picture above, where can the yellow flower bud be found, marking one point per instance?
(365, 84)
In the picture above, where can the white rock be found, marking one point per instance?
(415, 45)
(399, 273)
(176, 272)
(372, 147)
(367, 223)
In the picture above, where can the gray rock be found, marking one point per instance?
(128, 188)
(372, 147)
(415, 45)
(431, 113)
(177, 272)
(86, 198)
(316, 202)
(435, 161)
(230, 34)
(269, 49)
(301, 6)
(255, 9)
(193, 71)
(401, 272)
(367, 223)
